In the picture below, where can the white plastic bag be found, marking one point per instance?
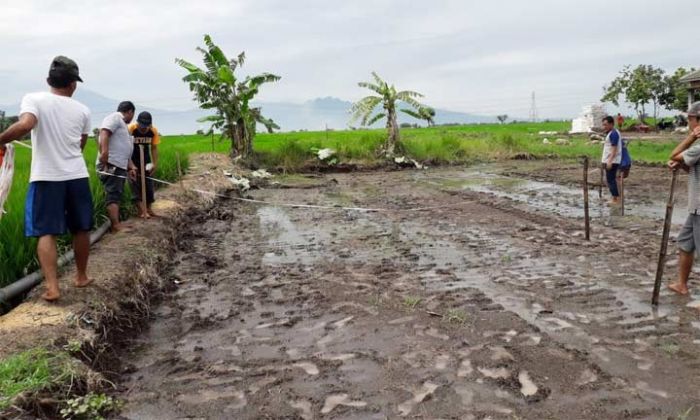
(7, 169)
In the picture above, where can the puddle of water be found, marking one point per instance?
(551, 197)
(277, 227)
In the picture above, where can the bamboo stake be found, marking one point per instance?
(664, 242)
(179, 170)
(600, 186)
(142, 164)
(622, 195)
(585, 199)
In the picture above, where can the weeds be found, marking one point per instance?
(375, 301)
(411, 302)
(456, 316)
(32, 372)
(90, 407)
(686, 414)
(670, 348)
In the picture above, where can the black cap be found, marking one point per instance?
(144, 118)
(63, 67)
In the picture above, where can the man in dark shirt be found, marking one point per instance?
(146, 136)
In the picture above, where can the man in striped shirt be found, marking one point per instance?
(686, 156)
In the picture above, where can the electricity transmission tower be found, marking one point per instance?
(533, 109)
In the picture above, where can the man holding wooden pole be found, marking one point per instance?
(145, 157)
(686, 156)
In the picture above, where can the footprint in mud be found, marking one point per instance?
(419, 395)
(441, 361)
(587, 377)
(500, 353)
(402, 320)
(495, 373)
(336, 400)
(527, 386)
(465, 369)
(308, 367)
(305, 407)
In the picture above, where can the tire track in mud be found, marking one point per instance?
(328, 315)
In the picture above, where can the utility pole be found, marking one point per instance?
(533, 109)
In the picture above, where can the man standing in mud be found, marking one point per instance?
(686, 156)
(59, 198)
(114, 159)
(612, 156)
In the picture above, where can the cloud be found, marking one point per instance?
(480, 57)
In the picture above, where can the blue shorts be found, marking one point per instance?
(57, 207)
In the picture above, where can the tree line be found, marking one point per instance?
(646, 85)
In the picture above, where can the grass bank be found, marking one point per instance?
(17, 253)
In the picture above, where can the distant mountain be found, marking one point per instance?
(316, 114)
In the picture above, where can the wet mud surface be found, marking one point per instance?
(489, 304)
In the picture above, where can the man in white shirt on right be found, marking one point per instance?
(114, 158)
(59, 199)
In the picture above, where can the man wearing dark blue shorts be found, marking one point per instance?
(59, 199)
(612, 157)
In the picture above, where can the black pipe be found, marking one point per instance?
(27, 283)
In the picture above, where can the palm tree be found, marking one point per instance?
(387, 96)
(216, 87)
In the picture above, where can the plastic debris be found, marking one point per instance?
(324, 154)
(261, 173)
(242, 183)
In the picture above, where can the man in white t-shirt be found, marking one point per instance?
(59, 198)
(612, 157)
(114, 159)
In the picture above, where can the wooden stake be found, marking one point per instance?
(664, 242)
(600, 186)
(142, 162)
(585, 199)
(179, 169)
(622, 195)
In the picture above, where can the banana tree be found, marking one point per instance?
(216, 87)
(426, 114)
(387, 96)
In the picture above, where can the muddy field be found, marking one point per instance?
(470, 294)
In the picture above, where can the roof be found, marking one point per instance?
(691, 77)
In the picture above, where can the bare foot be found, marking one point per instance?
(679, 288)
(120, 228)
(152, 214)
(51, 295)
(82, 282)
(145, 216)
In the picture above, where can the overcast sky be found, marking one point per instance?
(484, 57)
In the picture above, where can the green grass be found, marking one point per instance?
(17, 253)
(34, 371)
(290, 152)
(411, 302)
